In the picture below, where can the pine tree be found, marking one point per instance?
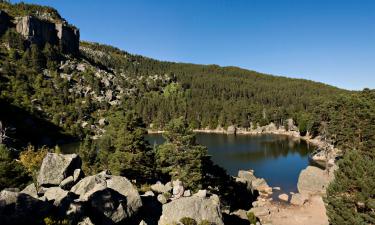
(180, 157)
(351, 197)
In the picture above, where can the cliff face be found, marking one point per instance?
(39, 32)
(36, 31)
(68, 37)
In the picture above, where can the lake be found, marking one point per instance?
(277, 158)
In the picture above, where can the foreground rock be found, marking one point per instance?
(193, 207)
(314, 180)
(20, 208)
(113, 199)
(56, 167)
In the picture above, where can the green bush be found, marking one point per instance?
(205, 222)
(188, 221)
(251, 217)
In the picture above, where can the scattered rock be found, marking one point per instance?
(260, 211)
(194, 207)
(56, 167)
(86, 221)
(231, 129)
(240, 213)
(187, 193)
(284, 197)
(21, 208)
(56, 194)
(113, 198)
(77, 175)
(178, 189)
(299, 199)
(30, 190)
(201, 193)
(67, 183)
(160, 188)
(162, 199)
(148, 193)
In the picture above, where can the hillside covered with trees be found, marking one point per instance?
(108, 98)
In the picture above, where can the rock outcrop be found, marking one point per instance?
(57, 167)
(113, 198)
(101, 198)
(193, 207)
(314, 180)
(20, 208)
(38, 31)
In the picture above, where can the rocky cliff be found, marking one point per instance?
(38, 31)
(41, 31)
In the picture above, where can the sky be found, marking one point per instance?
(330, 41)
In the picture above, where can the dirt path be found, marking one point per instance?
(312, 213)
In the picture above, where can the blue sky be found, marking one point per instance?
(331, 41)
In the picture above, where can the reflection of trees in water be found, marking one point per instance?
(274, 148)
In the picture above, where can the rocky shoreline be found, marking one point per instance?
(312, 181)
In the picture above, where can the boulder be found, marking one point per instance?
(290, 125)
(160, 188)
(313, 180)
(148, 193)
(187, 193)
(162, 199)
(67, 183)
(194, 207)
(246, 175)
(260, 211)
(284, 197)
(77, 175)
(299, 199)
(231, 129)
(178, 189)
(201, 193)
(30, 190)
(57, 195)
(21, 208)
(112, 199)
(86, 221)
(56, 167)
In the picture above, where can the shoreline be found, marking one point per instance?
(317, 142)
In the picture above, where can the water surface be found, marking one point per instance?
(277, 158)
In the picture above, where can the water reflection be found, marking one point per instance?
(277, 158)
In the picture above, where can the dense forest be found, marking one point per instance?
(108, 98)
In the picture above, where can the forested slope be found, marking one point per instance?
(47, 96)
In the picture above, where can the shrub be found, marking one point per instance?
(188, 221)
(251, 217)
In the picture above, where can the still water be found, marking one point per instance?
(279, 159)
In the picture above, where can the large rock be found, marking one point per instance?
(299, 199)
(40, 32)
(231, 129)
(112, 199)
(30, 190)
(194, 207)
(20, 208)
(313, 180)
(37, 31)
(69, 38)
(56, 167)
